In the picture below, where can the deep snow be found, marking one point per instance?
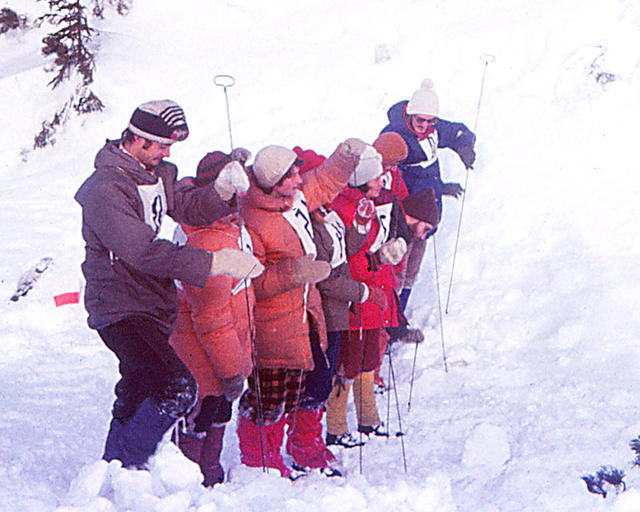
(542, 328)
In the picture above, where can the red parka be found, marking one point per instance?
(368, 315)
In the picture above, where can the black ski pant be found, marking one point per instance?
(149, 368)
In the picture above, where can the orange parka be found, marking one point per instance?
(213, 329)
(281, 326)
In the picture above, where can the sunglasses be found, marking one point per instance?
(429, 120)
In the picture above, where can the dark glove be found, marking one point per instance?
(233, 387)
(378, 297)
(240, 155)
(412, 336)
(453, 189)
(467, 155)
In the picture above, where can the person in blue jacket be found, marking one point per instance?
(417, 121)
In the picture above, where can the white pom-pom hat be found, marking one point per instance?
(424, 101)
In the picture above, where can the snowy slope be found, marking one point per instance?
(542, 328)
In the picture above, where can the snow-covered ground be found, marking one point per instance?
(542, 330)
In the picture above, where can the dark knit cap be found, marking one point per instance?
(160, 121)
(210, 166)
(422, 206)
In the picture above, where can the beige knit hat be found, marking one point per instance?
(424, 101)
(271, 164)
(391, 147)
(369, 167)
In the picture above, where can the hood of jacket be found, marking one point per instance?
(398, 122)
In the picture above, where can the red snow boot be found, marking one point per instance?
(305, 443)
(210, 457)
(252, 449)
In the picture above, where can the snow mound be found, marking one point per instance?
(488, 448)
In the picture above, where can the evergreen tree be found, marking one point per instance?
(71, 46)
(70, 42)
(9, 20)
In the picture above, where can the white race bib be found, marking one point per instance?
(154, 204)
(383, 212)
(430, 148)
(245, 245)
(298, 217)
(387, 180)
(336, 229)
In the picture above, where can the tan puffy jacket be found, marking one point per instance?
(282, 328)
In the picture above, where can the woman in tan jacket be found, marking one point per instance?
(290, 335)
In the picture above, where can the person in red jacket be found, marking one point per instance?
(213, 331)
(372, 265)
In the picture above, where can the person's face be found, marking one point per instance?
(374, 187)
(148, 152)
(419, 228)
(291, 182)
(421, 123)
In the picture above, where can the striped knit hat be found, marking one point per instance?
(160, 121)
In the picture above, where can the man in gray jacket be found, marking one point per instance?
(130, 293)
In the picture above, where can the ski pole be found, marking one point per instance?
(413, 372)
(226, 81)
(400, 433)
(435, 262)
(486, 58)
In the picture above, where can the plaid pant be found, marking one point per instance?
(280, 391)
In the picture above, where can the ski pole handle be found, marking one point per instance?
(224, 81)
(487, 58)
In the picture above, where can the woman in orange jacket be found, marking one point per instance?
(213, 333)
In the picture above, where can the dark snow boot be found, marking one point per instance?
(376, 430)
(114, 438)
(346, 440)
(135, 441)
(210, 457)
(190, 444)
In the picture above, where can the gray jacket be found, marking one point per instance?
(339, 290)
(128, 270)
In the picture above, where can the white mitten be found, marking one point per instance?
(392, 252)
(231, 180)
(364, 213)
(236, 263)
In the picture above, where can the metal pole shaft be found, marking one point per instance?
(226, 98)
(435, 262)
(487, 59)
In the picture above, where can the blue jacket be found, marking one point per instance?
(421, 169)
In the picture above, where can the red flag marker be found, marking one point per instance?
(67, 298)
